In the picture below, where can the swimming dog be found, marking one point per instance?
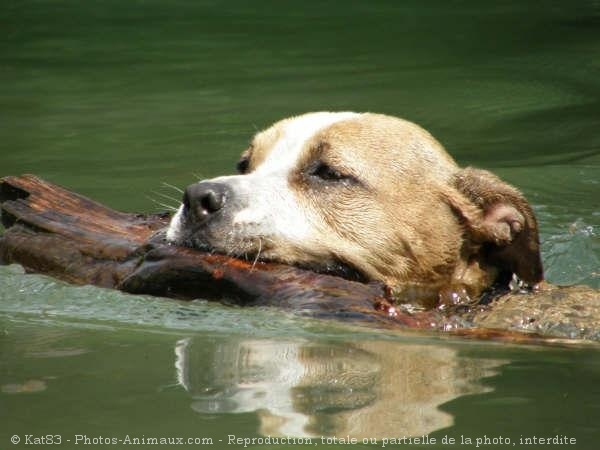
(364, 194)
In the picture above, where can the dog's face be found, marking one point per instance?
(372, 193)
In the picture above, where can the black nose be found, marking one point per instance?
(205, 198)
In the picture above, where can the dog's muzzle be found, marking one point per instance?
(204, 217)
(202, 201)
(206, 222)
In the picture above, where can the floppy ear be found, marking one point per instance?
(498, 219)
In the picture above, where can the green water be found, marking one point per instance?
(115, 98)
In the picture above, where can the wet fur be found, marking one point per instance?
(403, 212)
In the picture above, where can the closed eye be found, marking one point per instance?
(328, 173)
(243, 165)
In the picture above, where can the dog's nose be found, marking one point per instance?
(205, 198)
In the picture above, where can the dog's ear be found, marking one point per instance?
(499, 221)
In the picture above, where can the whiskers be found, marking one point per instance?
(246, 248)
(166, 201)
(164, 183)
(257, 254)
(161, 204)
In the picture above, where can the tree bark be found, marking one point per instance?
(54, 231)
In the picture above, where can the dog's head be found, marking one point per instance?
(368, 192)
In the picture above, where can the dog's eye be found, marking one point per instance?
(328, 173)
(242, 165)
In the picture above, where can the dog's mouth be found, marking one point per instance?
(334, 267)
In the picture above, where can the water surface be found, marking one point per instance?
(114, 98)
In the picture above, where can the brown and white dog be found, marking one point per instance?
(369, 192)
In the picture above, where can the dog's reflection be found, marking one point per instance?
(363, 389)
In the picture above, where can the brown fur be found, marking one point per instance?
(417, 222)
(402, 211)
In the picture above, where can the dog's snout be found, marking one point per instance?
(205, 198)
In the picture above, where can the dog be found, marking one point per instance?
(364, 388)
(367, 196)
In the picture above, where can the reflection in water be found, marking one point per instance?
(26, 387)
(362, 389)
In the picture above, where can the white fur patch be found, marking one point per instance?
(174, 230)
(273, 207)
(284, 155)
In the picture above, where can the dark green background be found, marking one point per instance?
(115, 98)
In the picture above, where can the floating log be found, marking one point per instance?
(54, 231)
(57, 232)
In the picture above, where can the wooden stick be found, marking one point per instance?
(60, 233)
